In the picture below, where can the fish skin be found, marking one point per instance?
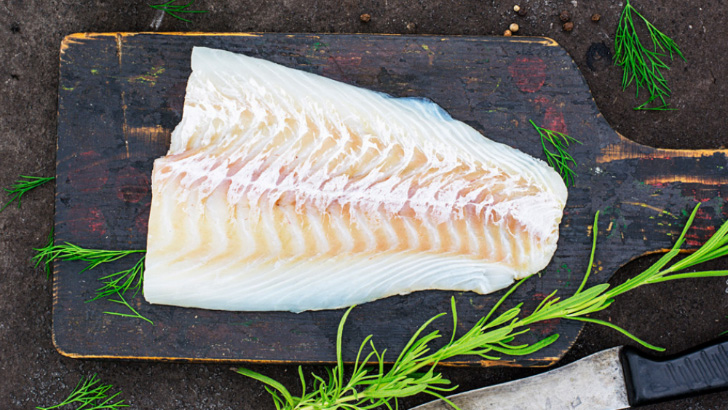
(284, 190)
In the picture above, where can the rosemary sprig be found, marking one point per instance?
(413, 371)
(559, 160)
(24, 184)
(123, 301)
(642, 66)
(91, 396)
(171, 9)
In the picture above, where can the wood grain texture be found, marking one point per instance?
(121, 94)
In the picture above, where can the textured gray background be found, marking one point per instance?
(675, 315)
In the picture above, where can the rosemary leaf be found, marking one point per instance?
(272, 383)
(619, 329)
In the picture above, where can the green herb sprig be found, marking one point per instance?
(91, 396)
(116, 283)
(121, 282)
(46, 263)
(413, 372)
(24, 184)
(123, 301)
(171, 9)
(560, 159)
(642, 65)
(70, 252)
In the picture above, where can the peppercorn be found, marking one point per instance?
(507, 33)
(516, 8)
(564, 16)
(513, 28)
(568, 26)
(411, 27)
(596, 17)
(365, 18)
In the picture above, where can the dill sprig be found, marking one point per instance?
(642, 66)
(24, 184)
(171, 9)
(70, 252)
(414, 370)
(91, 396)
(123, 301)
(560, 159)
(46, 263)
(116, 283)
(120, 282)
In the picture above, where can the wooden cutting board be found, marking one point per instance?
(121, 94)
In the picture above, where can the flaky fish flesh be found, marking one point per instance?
(285, 190)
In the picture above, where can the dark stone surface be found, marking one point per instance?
(674, 315)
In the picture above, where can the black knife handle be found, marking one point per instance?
(700, 370)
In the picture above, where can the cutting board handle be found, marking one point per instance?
(669, 184)
(697, 166)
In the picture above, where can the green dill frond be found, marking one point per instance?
(70, 252)
(116, 283)
(89, 394)
(643, 65)
(554, 145)
(493, 336)
(46, 263)
(171, 9)
(135, 314)
(121, 282)
(24, 184)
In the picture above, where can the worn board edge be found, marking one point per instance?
(547, 41)
(535, 364)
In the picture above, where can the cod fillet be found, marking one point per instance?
(285, 190)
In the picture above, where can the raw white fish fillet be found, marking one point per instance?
(284, 190)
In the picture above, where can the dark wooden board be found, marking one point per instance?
(121, 94)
